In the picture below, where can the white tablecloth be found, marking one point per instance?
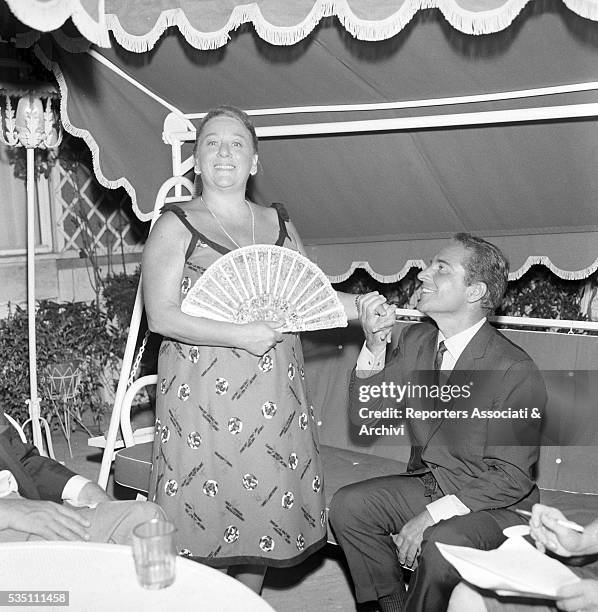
(101, 577)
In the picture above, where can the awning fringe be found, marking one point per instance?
(468, 22)
(533, 260)
(588, 9)
(84, 134)
(544, 260)
(240, 15)
(478, 23)
(49, 16)
(382, 278)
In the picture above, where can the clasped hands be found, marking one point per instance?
(377, 319)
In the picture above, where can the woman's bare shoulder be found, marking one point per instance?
(174, 217)
(266, 214)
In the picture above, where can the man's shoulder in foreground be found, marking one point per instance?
(505, 350)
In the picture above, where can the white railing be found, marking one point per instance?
(548, 324)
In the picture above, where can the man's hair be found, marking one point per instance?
(227, 111)
(487, 264)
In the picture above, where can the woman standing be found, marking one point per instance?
(236, 463)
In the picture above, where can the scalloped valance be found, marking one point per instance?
(572, 256)
(207, 24)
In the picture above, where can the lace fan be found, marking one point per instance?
(266, 283)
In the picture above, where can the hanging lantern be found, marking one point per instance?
(8, 135)
(30, 121)
(52, 134)
(35, 125)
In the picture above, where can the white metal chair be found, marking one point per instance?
(17, 427)
(20, 430)
(110, 442)
(132, 464)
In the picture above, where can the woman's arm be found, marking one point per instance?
(162, 270)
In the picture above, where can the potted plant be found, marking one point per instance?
(71, 337)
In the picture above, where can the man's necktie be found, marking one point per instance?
(440, 351)
(415, 460)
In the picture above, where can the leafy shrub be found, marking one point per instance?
(539, 293)
(119, 292)
(398, 293)
(543, 295)
(65, 332)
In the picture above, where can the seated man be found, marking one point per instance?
(465, 476)
(32, 492)
(549, 534)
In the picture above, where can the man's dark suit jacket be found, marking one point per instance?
(470, 457)
(38, 477)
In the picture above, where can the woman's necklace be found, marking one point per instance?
(222, 226)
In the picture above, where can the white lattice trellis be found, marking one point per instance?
(88, 217)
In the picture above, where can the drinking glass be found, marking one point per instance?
(154, 553)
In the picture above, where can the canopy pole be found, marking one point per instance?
(121, 389)
(173, 135)
(125, 378)
(424, 103)
(543, 113)
(34, 408)
(121, 73)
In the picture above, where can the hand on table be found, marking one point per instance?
(579, 597)
(408, 540)
(45, 519)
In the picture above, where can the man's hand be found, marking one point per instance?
(409, 539)
(580, 596)
(45, 519)
(549, 534)
(377, 319)
(92, 494)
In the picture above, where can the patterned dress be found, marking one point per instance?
(236, 461)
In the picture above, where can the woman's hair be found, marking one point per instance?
(227, 111)
(486, 263)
